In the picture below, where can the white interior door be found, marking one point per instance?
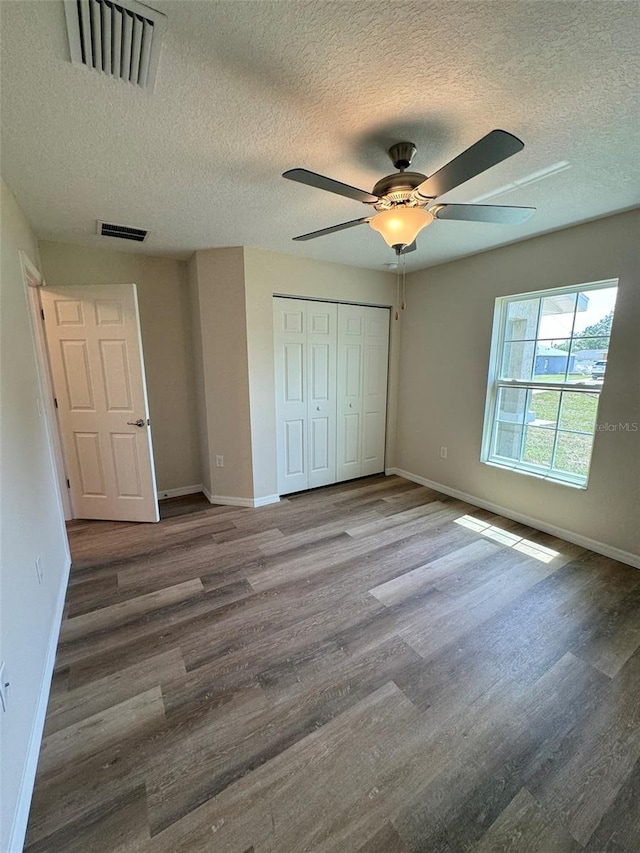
(95, 350)
(290, 331)
(351, 335)
(374, 401)
(362, 365)
(322, 320)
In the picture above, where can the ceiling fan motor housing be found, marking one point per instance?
(398, 188)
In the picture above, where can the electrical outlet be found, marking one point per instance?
(219, 460)
(4, 688)
(443, 452)
(39, 568)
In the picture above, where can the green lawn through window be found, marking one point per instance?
(578, 412)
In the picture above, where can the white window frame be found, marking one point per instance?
(495, 383)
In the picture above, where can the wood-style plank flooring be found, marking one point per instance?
(370, 667)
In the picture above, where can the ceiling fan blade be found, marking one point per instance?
(410, 248)
(312, 179)
(485, 213)
(313, 234)
(488, 151)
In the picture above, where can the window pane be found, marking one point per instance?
(512, 405)
(544, 405)
(517, 360)
(579, 411)
(587, 353)
(552, 359)
(557, 316)
(507, 440)
(522, 320)
(538, 446)
(595, 313)
(573, 453)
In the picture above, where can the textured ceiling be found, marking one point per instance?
(246, 90)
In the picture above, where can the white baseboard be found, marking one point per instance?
(21, 817)
(561, 533)
(178, 493)
(250, 503)
(266, 500)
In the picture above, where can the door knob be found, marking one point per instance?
(351, 405)
(138, 423)
(317, 408)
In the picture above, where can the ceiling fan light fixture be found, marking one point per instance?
(401, 225)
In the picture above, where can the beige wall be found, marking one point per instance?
(32, 525)
(267, 273)
(163, 297)
(444, 363)
(218, 287)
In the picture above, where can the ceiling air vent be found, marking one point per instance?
(123, 232)
(121, 39)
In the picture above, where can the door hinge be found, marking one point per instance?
(42, 313)
(68, 483)
(55, 402)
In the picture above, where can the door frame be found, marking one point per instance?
(32, 281)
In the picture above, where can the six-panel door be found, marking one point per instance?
(290, 336)
(374, 389)
(351, 340)
(321, 392)
(95, 352)
(363, 353)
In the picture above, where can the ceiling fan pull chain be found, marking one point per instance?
(397, 291)
(404, 273)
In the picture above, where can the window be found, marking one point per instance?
(548, 363)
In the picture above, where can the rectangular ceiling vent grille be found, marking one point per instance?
(120, 39)
(124, 232)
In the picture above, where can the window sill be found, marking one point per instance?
(548, 478)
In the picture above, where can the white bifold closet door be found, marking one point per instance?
(331, 391)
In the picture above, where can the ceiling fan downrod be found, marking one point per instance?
(401, 154)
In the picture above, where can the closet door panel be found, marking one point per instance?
(320, 452)
(290, 322)
(353, 370)
(371, 439)
(351, 441)
(321, 410)
(351, 337)
(374, 404)
(293, 367)
(294, 448)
